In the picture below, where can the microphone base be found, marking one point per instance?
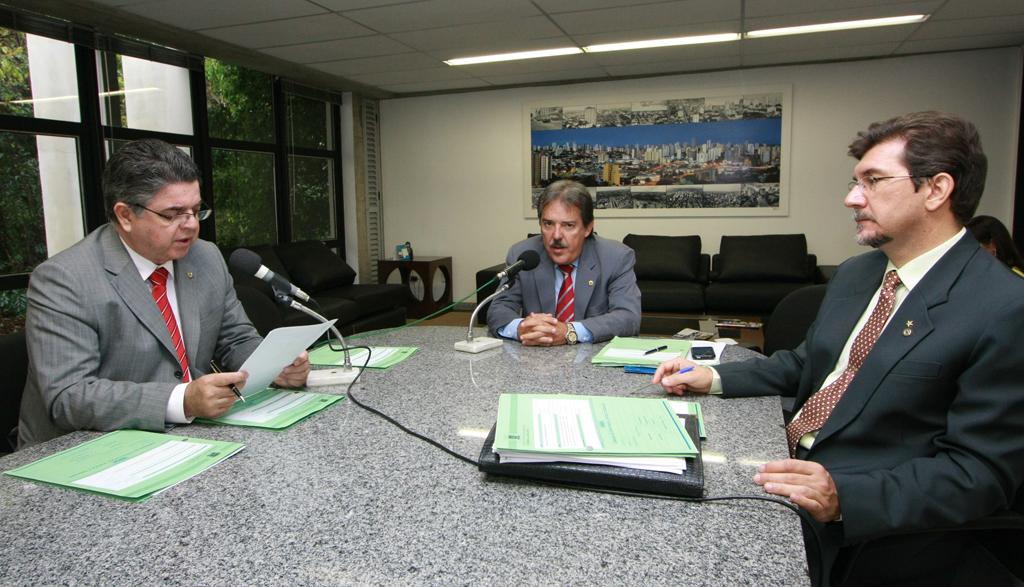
(338, 376)
(478, 344)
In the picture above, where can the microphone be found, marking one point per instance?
(246, 261)
(526, 261)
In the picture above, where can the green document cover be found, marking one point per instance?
(621, 351)
(382, 357)
(274, 408)
(685, 408)
(590, 426)
(128, 464)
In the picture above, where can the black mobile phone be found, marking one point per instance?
(702, 353)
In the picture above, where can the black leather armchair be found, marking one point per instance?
(671, 272)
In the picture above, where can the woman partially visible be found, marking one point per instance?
(995, 239)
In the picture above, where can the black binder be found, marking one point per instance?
(689, 484)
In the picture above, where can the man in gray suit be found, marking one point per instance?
(584, 289)
(911, 407)
(122, 326)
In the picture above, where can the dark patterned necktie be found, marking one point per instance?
(818, 407)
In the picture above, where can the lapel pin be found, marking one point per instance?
(909, 329)
(590, 283)
(188, 274)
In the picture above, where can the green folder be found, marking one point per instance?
(274, 408)
(685, 408)
(621, 351)
(128, 464)
(590, 426)
(382, 357)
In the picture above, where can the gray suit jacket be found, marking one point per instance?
(930, 433)
(607, 298)
(100, 356)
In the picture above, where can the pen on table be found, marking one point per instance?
(234, 389)
(656, 350)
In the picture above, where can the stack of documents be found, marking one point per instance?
(381, 357)
(622, 351)
(128, 464)
(636, 433)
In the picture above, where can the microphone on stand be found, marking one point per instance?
(246, 261)
(526, 261)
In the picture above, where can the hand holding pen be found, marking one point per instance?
(678, 376)
(234, 388)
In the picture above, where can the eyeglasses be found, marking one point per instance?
(180, 216)
(868, 183)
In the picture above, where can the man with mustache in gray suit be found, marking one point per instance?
(122, 326)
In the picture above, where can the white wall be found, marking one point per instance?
(453, 180)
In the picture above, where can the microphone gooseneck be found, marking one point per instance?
(248, 262)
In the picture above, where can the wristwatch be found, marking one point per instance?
(570, 334)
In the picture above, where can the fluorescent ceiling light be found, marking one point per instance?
(839, 26)
(695, 40)
(514, 56)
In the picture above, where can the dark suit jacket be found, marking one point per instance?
(607, 298)
(100, 356)
(930, 433)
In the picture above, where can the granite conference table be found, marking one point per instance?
(346, 498)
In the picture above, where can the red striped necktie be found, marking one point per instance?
(565, 307)
(159, 281)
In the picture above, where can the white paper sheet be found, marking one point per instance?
(277, 350)
(144, 466)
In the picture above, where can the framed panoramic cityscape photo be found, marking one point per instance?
(711, 153)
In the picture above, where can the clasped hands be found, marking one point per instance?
(804, 483)
(542, 330)
(210, 396)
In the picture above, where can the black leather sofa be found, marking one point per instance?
(748, 276)
(325, 276)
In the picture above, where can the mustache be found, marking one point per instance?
(859, 215)
(559, 244)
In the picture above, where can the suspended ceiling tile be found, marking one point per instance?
(342, 5)
(978, 8)
(503, 47)
(340, 49)
(961, 43)
(853, 8)
(558, 6)
(203, 14)
(440, 13)
(723, 62)
(292, 31)
(402, 62)
(482, 35)
(711, 28)
(969, 27)
(379, 78)
(822, 54)
(593, 73)
(648, 16)
(436, 86)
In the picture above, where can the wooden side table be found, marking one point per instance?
(426, 269)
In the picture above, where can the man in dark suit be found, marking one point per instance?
(584, 289)
(121, 327)
(911, 406)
